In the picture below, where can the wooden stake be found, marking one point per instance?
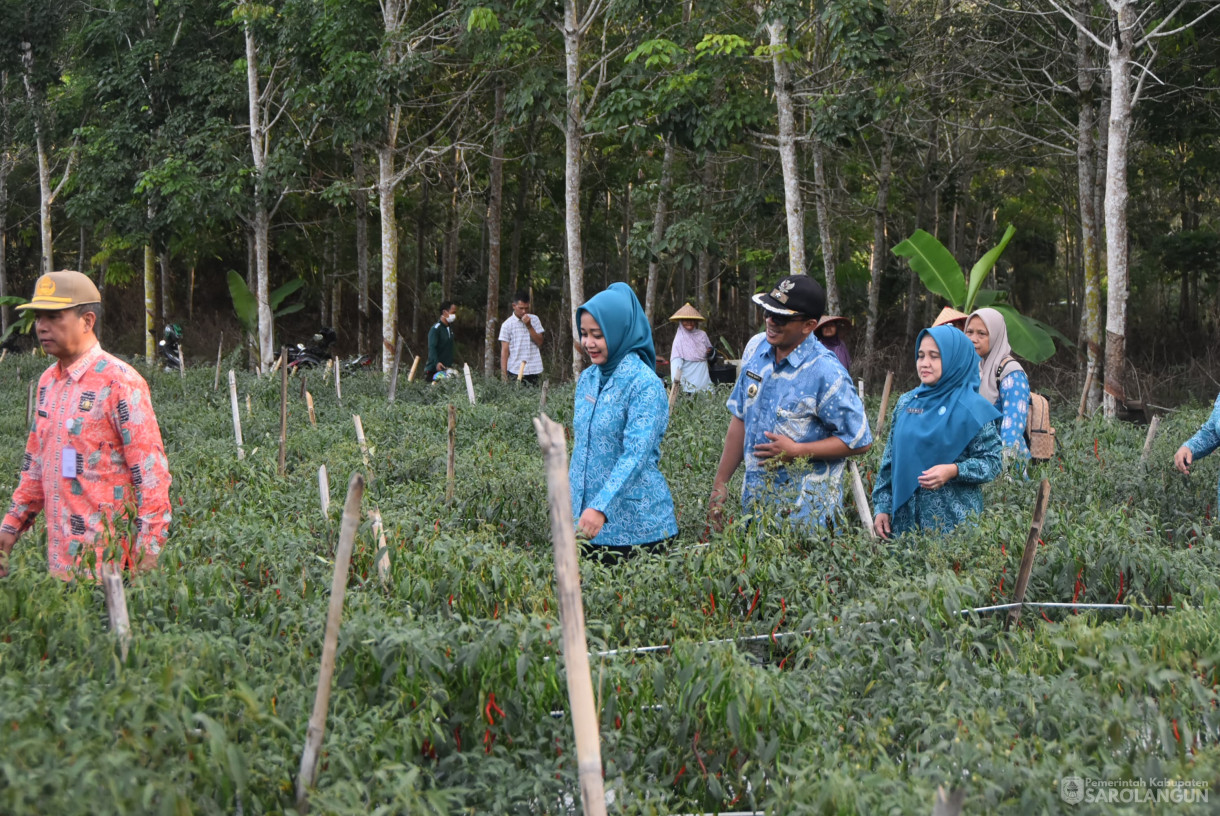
(338, 388)
(1153, 426)
(414, 366)
(948, 804)
(249, 408)
(116, 606)
(1031, 549)
(334, 616)
(304, 382)
(394, 370)
(3, 354)
(572, 617)
(241, 453)
(451, 467)
(383, 552)
(181, 362)
(324, 491)
(521, 372)
(861, 498)
(219, 348)
(329, 363)
(364, 445)
(278, 362)
(469, 382)
(1084, 395)
(313, 419)
(673, 395)
(860, 388)
(283, 410)
(542, 400)
(885, 404)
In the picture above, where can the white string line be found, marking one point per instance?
(778, 635)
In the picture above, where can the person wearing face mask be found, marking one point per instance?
(620, 500)
(944, 443)
(440, 341)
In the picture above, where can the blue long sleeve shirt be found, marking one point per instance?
(617, 430)
(1207, 439)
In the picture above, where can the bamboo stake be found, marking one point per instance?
(572, 616)
(241, 453)
(3, 354)
(313, 419)
(948, 804)
(116, 606)
(1153, 426)
(414, 366)
(329, 363)
(324, 491)
(857, 491)
(181, 362)
(394, 370)
(338, 388)
(885, 404)
(364, 445)
(673, 396)
(219, 348)
(334, 616)
(451, 467)
(469, 382)
(1084, 394)
(1031, 550)
(521, 371)
(383, 551)
(249, 407)
(542, 400)
(304, 382)
(283, 410)
(860, 388)
(278, 362)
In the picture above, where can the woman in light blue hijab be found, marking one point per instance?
(943, 444)
(620, 500)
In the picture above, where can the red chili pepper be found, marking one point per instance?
(1003, 550)
(1045, 618)
(451, 600)
(495, 613)
(754, 603)
(1095, 454)
(490, 707)
(698, 758)
(1079, 586)
(711, 596)
(681, 771)
(489, 739)
(457, 736)
(1176, 735)
(784, 608)
(1120, 587)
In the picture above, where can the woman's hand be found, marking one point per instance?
(1183, 459)
(937, 476)
(590, 523)
(882, 525)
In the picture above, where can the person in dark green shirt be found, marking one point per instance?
(440, 341)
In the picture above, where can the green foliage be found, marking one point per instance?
(245, 304)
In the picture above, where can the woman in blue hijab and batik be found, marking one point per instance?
(620, 500)
(943, 445)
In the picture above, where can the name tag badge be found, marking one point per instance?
(753, 376)
(67, 463)
(591, 399)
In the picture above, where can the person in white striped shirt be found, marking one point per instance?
(520, 338)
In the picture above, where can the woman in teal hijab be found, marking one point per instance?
(944, 443)
(620, 500)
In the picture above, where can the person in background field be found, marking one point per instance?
(691, 348)
(620, 500)
(794, 404)
(94, 448)
(440, 341)
(1004, 383)
(520, 338)
(943, 443)
(1205, 440)
(830, 333)
(951, 317)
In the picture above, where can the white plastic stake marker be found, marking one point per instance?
(469, 382)
(241, 453)
(324, 491)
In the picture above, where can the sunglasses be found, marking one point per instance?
(783, 320)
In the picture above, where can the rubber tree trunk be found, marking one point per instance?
(495, 211)
(1086, 172)
(822, 205)
(150, 301)
(386, 185)
(658, 230)
(793, 208)
(573, 129)
(1116, 203)
(362, 252)
(880, 252)
(703, 270)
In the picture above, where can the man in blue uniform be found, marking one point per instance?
(795, 416)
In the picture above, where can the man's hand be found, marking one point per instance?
(1183, 459)
(937, 476)
(7, 540)
(777, 445)
(882, 525)
(715, 506)
(440, 366)
(590, 523)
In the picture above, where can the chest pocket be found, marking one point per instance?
(794, 422)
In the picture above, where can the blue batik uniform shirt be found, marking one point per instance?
(807, 397)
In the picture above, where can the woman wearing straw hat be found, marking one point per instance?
(688, 357)
(830, 332)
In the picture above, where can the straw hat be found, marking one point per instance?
(828, 319)
(687, 312)
(950, 316)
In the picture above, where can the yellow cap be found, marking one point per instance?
(65, 289)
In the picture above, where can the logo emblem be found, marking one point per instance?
(752, 391)
(1071, 790)
(46, 287)
(780, 292)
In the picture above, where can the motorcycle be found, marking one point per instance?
(170, 347)
(316, 353)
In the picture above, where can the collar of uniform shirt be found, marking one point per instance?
(799, 355)
(82, 365)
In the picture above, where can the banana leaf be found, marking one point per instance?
(935, 266)
(983, 267)
(1027, 338)
(244, 302)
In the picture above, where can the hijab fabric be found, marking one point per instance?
(989, 367)
(942, 418)
(690, 344)
(621, 317)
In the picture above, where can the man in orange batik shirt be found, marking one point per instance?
(94, 448)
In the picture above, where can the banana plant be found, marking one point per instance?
(246, 305)
(941, 274)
